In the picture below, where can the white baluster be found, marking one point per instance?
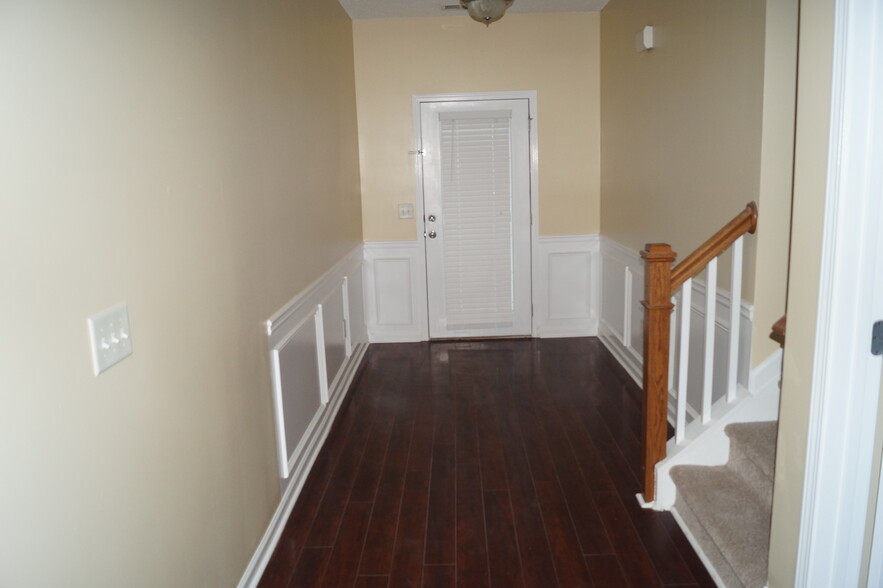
(710, 308)
(683, 359)
(735, 314)
(672, 336)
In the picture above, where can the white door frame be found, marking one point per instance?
(417, 142)
(846, 377)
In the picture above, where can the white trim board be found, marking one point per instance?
(845, 383)
(313, 360)
(566, 289)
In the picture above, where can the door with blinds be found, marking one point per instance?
(476, 204)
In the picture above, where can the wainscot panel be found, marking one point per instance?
(566, 289)
(621, 323)
(566, 286)
(316, 343)
(395, 292)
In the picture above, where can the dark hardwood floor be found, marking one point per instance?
(484, 463)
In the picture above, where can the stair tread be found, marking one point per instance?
(732, 515)
(757, 441)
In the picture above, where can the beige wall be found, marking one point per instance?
(554, 54)
(681, 124)
(197, 160)
(810, 165)
(697, 127)
(776, 175)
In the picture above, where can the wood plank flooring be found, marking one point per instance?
(500, 463)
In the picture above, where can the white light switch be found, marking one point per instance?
(111, 337)
(406, 211)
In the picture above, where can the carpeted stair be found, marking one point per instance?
(727, 508)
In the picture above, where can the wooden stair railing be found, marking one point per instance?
(661, 281)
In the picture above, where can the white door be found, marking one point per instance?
(476, 203)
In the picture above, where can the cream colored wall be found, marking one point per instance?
(810, 176)
(776, 175)
(681, 123)
(697, 127)
(197, 160)
(554, 54)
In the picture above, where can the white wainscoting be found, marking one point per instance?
(622, 322)
(395, 292)
(621, 325)
(566, 289)
(316, 344)
(567, 286)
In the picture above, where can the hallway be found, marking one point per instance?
(483, 463)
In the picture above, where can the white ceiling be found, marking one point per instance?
(361, 9)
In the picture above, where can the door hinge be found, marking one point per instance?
(877, 339)
(531, 309)
(419, 152)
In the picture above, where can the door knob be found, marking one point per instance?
(431, 234)
(431, 218)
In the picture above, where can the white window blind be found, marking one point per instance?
(477, 219)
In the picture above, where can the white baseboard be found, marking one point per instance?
(626, 356)
(767, 376)
(267, 545)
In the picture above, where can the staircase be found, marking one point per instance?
(727, 508)
(716, 472)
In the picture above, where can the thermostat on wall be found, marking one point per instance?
(644, 39)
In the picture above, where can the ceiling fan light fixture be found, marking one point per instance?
(486, 11)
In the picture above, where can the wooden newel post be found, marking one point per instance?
(658, 259)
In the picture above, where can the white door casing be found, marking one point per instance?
(475, 214)
(845, 385)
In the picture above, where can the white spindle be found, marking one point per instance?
(735, 312)
(683, 359)
(672, 334)
(708, 367)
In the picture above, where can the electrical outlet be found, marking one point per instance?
(406, 211)
(111, 337)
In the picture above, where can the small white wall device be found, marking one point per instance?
(644, 39)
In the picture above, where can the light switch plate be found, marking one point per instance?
(111, 337)
(406, 211)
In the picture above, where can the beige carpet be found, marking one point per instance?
(727, 507)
